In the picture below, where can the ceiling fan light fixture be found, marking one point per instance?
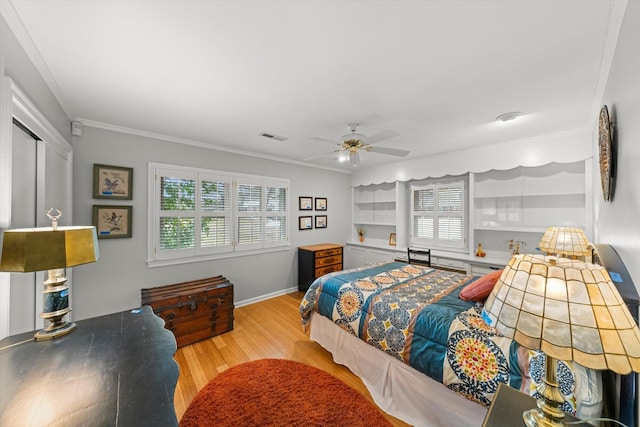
(355, 137)
(354, 158)
(507, 117)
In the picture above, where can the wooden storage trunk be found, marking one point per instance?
(194, 310)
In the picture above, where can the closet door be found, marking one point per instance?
(23, 214)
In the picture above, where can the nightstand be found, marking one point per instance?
(317, 260)
(507, 408)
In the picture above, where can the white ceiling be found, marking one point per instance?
(223, 72)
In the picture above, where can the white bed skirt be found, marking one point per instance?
(397, 388)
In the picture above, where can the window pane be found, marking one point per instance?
(249, 198)
(216, 231)
(215, 196)
(276, 199)
(176, 233)
(450, 228)
(276, 229)
(177, 194)
(423, 200)
(423, 227)
(450, 200)
(249, 229)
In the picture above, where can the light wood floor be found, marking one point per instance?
(268, 329)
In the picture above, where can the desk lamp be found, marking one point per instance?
(568, 309)
(50, 248)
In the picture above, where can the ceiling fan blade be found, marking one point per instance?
(380, 136)
(391, 151)
(322, 156)
(318, 138)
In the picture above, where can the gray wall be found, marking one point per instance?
(618, 222)
(114, 282)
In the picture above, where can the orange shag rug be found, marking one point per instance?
(277, 392)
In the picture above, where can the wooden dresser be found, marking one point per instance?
(317, 260)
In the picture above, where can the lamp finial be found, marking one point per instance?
(54, 217)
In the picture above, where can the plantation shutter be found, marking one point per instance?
(216, 213)
(437, 215)
(249, 216)
(276, 228)
(176, 213)
(450, 219)
(424, 213)
(195, 213)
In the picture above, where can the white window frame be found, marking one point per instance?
(460, 245)
(156, 258)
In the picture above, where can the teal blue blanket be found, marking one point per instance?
(413, 313)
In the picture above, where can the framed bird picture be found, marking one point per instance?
(112, 182)
(112, 222)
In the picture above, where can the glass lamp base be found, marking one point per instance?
(55, 306)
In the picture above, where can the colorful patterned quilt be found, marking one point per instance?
(413, 313)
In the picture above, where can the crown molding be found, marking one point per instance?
(199, 144)
(8, 11)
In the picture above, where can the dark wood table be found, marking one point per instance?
(113, 370)
(508, 405)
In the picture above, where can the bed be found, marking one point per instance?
(405, 331)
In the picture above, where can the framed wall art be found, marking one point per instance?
(305, 203)
(112, 182)
(392, 239)
(606, 154)
(321, 203)
(321, 221)
(305, 223)
(112, 221)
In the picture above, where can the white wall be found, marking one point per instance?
(114, 282)
(618, 222)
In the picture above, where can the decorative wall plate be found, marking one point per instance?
(606, 154)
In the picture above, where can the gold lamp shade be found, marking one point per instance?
(36, 249)
(565, 241)
(53, 249)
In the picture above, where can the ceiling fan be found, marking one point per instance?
(354, 141)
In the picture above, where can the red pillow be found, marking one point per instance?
(480, 289)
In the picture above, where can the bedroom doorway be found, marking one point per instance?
(23, 290)
(36, 172)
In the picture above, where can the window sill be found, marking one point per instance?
(152, 263)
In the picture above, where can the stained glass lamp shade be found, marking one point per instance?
(568, 309)
(565, 241)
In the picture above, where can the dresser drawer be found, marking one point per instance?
(328, 260)
(328, 269)
(329, 252)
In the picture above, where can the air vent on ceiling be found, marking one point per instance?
(272, 136)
